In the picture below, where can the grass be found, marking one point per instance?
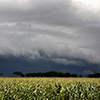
(15, 88)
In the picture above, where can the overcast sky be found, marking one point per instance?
(65, 32)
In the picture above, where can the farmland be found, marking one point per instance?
(49, 88)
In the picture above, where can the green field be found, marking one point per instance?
(49, 88)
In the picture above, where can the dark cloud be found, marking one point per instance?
(26, 65)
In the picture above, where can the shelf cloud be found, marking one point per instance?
(61, 31)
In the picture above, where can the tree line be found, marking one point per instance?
(95, 75)
(46, 74)
(52, 74)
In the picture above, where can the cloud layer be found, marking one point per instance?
(57, 30)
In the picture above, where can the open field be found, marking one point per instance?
(49, 88)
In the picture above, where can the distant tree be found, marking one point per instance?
(39, 74)
(80, 75)
(29, 75)
(59, 74)
(17, 73)
(51, 74)
(1, 74)
(74, 75)
(96, 75)
(43, 74)
(90, 75)
(66, 74)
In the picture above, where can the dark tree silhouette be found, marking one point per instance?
(1, 74)
(66, 74)
(90, 75)
(80, 75)
(74, 75)
(59, 74)
(96, 75)
(17, 73)
(48, 74)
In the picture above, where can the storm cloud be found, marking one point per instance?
(66, 32)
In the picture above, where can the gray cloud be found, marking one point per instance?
(55, 30)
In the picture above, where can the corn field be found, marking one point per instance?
(49, 88)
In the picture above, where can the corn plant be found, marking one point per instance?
(49, 89)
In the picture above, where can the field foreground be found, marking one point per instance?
(49, 88)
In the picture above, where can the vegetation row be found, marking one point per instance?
(53, 74)
(49, 89)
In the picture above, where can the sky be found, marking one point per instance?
(46, 35)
